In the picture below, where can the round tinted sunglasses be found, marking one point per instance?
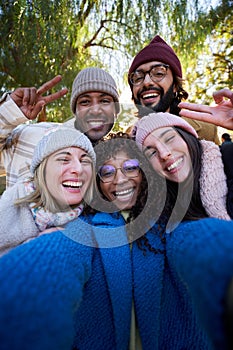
(130, 168)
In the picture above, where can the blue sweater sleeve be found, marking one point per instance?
(41, 287)
(201, 254)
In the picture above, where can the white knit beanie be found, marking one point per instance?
(153, 121)
(57, 138)
(93, 79)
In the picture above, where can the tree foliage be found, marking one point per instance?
(40, 39)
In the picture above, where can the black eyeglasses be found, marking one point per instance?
(156, 73)
(130, 168)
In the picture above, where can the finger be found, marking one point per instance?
(37, 108)
(26, 96)
(194, 107)
(196, 115)
(220, 94)
(55, 96)
(49, 84)
(32, 96)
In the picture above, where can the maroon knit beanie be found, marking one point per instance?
(157, 50)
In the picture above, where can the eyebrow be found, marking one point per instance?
(165, 132)
(151, 67)
(62, 152)
(160, 136)
(84, 154)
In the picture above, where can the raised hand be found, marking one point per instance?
(220, 114)
(31, 101)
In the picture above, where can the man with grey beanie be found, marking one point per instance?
(94, 103)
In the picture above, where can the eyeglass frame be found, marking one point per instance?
(166, 66)
(121, 169)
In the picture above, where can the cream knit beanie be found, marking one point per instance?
(93, 79)
(57, 138)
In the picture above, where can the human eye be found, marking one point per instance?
(137, 77)
(158, 72)
(84, 102)
(131, 165)
(106, 101)
(62, 160)
(86, 160)
(170, 137)
(150, 153)
(106, 171)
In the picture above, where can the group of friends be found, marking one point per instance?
(116, 240)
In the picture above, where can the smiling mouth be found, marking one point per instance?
(72, 184)
(96, 124)
(125, 193)
(175, 164)
(150, 95)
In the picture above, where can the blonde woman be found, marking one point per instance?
(62, 178)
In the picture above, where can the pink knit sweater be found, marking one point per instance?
(213, 185)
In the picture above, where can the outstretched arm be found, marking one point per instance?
(220, 115)
(30, 100)
(42, 284)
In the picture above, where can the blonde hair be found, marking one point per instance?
(42, 197)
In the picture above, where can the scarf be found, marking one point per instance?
(45, 219)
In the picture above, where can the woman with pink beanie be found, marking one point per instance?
(192, 168)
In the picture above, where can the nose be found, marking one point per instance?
(119, 177)
(76, 166)
(95, 108)
(147, 80)
(164, 152)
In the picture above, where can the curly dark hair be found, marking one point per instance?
(136, 225)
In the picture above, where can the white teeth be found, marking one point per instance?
(96, 124)
(73, 183)
(175, 164)
(150, 95)
(124, 193)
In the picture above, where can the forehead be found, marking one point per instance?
(73, 150)
(94, 94)
(158, 134)
(148, 65)
(119, 156)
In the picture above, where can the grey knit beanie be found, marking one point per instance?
(93, 79)
(57, 138)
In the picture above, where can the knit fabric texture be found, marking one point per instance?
(93, 79)
(212, 174)
(58, 138)
(143, 127)
(157, 50)
(213, 182)
(51, 282)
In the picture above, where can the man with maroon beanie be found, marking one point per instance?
(156, 82)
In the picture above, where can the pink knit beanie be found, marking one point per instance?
(212, 174)
(153, 121)
(157, 50)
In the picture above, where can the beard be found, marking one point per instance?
(162, 106)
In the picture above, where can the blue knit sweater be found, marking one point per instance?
(57, 293)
